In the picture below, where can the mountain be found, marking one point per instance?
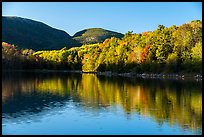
(27, 33)
(94, 35)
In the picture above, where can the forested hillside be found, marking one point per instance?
(166, 49)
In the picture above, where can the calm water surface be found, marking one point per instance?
(67, 103)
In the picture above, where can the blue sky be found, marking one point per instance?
(116, 16)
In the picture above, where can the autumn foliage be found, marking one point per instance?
(173, 49)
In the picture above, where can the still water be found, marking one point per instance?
(67, 103)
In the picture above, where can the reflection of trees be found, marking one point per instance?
(172, 101)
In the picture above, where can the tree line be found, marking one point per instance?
(166, 49)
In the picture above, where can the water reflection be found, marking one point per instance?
(175, 102)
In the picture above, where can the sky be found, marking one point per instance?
(115, 16)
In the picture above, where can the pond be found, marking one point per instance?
(49, 103)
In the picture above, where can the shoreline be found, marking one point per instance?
(182, 76)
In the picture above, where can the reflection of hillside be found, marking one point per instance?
(175, 102)
(20, 99)
(21, 94)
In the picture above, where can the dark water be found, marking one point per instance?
(67, 103)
